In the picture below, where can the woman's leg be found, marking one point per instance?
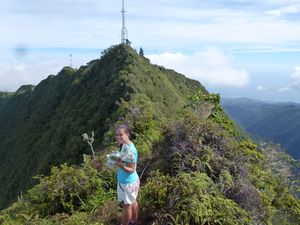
(127, 213)
(135, 211)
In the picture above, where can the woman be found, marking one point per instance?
(128, 179)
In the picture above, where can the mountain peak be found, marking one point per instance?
(122, 54)
(51, 118)
(25, 88)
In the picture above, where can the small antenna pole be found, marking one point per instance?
(71, 60)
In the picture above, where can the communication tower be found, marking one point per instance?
(124, 38)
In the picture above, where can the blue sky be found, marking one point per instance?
(238, 48)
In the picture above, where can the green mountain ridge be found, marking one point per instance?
(41, 126)
(196, 165)
(278, 122)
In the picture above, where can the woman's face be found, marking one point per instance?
(121, 136)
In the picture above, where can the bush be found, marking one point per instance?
(189, 198)
(138, 115)
(62, 194)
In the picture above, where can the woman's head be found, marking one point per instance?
(122, 134)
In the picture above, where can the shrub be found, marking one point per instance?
(189, 198)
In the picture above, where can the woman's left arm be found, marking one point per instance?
(129, 168)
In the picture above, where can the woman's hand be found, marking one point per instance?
(120, 164)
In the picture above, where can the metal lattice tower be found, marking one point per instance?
(124, 30)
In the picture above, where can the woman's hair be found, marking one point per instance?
(125, 128)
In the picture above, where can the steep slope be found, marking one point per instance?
(41, 126)
(279, 122)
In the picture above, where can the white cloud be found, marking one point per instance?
(294, 83)
(210, 67)
(291, 9)
(262, 88)
(94, 24)
(284, 89)
(15, 73)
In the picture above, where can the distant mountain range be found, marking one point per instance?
(276, 121)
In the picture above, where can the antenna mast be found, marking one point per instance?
(124, 30)
(71, 60)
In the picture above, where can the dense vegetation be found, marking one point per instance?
(41, 126)
(193, 172)
(196, 166)
(278, 122)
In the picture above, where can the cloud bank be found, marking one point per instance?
(211, 67)
(17, 73)
(294, 84)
